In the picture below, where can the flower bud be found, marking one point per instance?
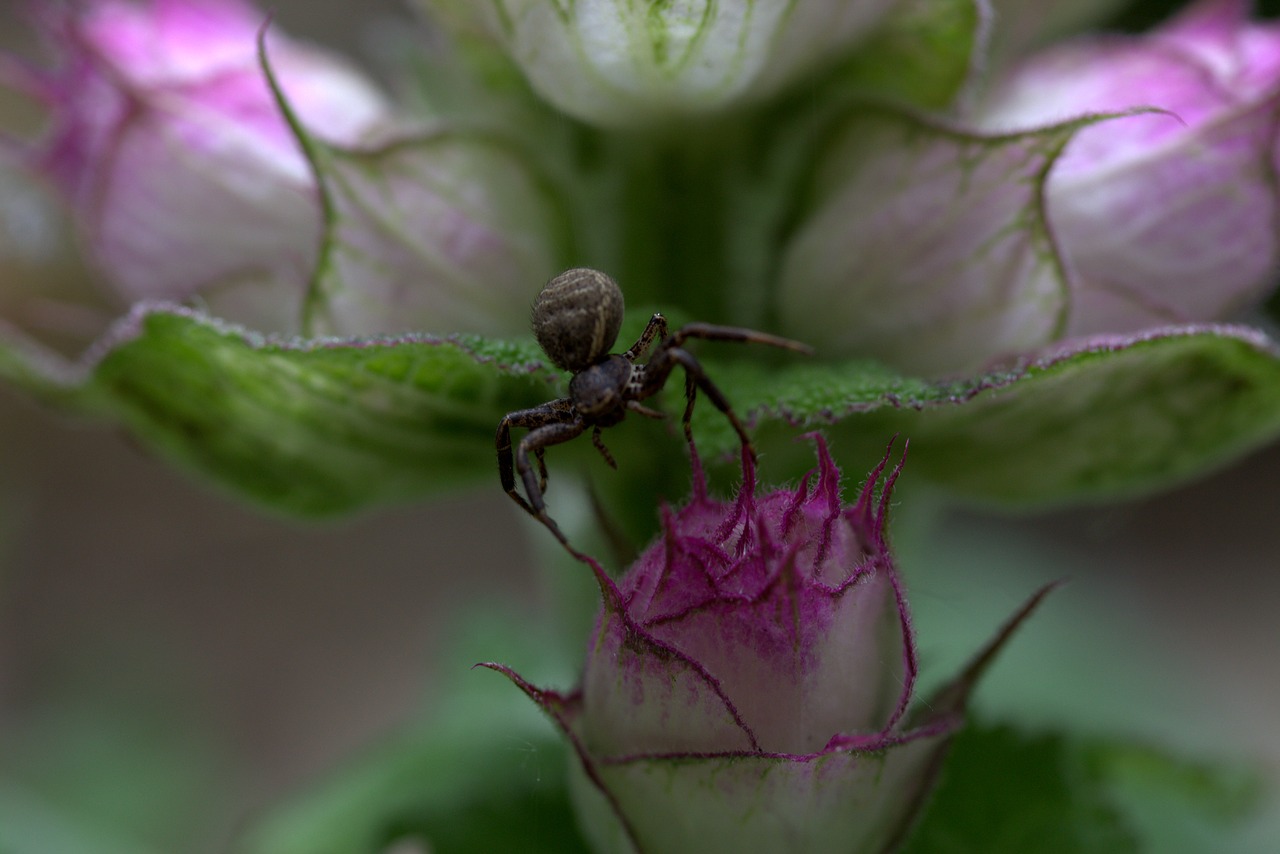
(614, 62)
(1106, 185)
(1161, 217)
(923, 246)
(748, 684)
(167, 142)
(1022, 24)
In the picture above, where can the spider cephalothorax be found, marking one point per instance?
(576, 319)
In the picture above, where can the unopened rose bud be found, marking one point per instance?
(615, 62)
(749, 684)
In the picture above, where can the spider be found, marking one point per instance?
(576, 319)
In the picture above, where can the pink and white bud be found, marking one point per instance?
(167, 142)
(749, 682)
(619, 63)
(1162, 217)
(1106, 185)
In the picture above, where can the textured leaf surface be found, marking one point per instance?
(331, 426)
(1092, 419)
(313, 428)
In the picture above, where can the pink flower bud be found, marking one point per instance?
(1167, 216)
(165, 139)
(749, 681)
(1107, 185)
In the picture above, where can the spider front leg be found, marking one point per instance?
(696, 377)
(654, 330)
(541, 456)
(714, 332)
(548, 413)
(543, 437)
(549, 424)
(661, 366)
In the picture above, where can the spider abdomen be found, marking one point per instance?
(577, 316)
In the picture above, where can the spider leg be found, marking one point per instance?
(661, 366)
(640, 409)
(690, 393)
(656, 328)
(556, 412)
(541, 456)
(713, 332)
(604, 452)
(537, 440)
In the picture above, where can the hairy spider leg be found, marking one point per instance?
(713, 332)
(541, 456)
(640, 409)
(690, 392)
(655, 329)
(556, 412)
(599, 443)
(671, 353)
(597, 432)
(661, 366)
(550, 424)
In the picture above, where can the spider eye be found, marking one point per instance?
(577, 316)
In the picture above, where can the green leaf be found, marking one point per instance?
(1006, 792)
(1177, 806)
(1090, 420)
(332, 426)
(310, 427)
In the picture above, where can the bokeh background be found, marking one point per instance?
(172, 663)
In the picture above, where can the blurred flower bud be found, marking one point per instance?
(613, 62)
(938, 248)
(165, 139)
(1161, 216)
(1023, 24)
(748, 684)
